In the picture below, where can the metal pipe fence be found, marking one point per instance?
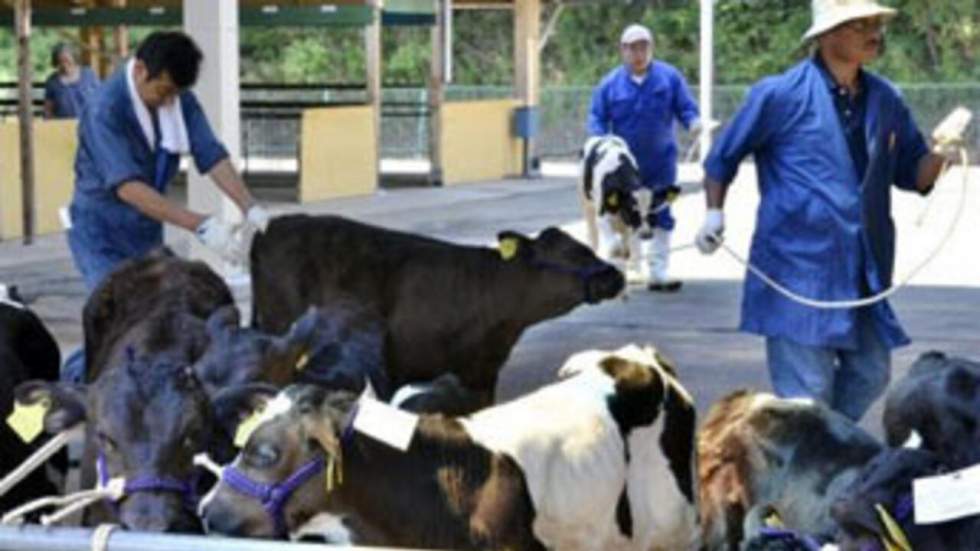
(20, 538)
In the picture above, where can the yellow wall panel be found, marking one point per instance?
(339, 155)
(54, 158)
(477, 142)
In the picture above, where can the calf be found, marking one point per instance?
(601, 459)
(447, 308)
(615, 204)
(758, 453)
(938, 403)
(885, 487)
(340, 348)
(27, 351)
(147, 414)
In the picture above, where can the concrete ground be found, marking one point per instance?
(696, 327)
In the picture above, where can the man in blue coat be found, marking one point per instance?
(829, 140)
(130, 140)
(639, 102)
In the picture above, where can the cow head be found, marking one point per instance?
(571, 266)
(940, 402)
(239, 355)
(296, 448)
(884, 487)
(146, 421)
(611, 168)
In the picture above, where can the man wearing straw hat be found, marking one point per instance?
(829, 140)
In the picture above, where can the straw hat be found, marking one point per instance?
(828, 14)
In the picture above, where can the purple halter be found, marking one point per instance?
(187, 490)
(273, 496)
(585, 275)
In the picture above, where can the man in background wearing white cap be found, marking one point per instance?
(639, 101)
(829, 140)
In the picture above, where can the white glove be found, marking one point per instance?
(219, 236)
(257, 217)
(710, 236)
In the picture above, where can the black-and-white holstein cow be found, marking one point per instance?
(27, 351)
(759, 454)
(602, 459)
(447, 308)
(937, 406)
(615, 204)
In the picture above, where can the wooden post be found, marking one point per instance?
(436, 93)
(372, 49)
(22, 22)
(527, 57)
(121, 36)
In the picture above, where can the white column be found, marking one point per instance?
(527, 63)
(214, 27)
(707, 72)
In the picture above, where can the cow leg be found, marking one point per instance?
(610, 245)
(592, 232)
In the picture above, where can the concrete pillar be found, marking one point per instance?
(707, 73)
(214, 26)
(527, 66)
(372, 50)
(437, 79)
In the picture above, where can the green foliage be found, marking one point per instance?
(930, 41)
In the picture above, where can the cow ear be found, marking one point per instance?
(512, 245)
(299, 341)
(856, 517)
(222, 321)
(235, 404)
(53, 407)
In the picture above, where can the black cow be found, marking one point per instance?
(448, 308)
(339, 348)
(939, 402)
(27, 351)
(147, 413)
(886, 483)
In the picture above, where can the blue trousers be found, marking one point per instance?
(848, 381)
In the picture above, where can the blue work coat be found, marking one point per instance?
(113, 150)
(69, 99)
(820, 230)
(643, 115)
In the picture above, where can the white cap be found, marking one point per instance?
(636, 33)
(828, 14)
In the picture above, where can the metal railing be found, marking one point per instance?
(19, 538)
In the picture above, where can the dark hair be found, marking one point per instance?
(58, 49)
(173, 52)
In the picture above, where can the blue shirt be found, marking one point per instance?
(69, 99)
(643, 114)
(851, 111)
(821, 231)
(113, 150)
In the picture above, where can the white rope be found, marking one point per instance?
(204, 460)
(101, 535)
(860, 303)
(68, 504)
(39, 458)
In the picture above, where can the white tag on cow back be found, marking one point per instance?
(947, 497)
(385, 423)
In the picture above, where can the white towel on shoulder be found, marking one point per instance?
(173, 129)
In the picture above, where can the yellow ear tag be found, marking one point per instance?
(508, 248)
(331, 465)
(895, 539)
(773, 520)
(612, 200)
(28, 421)
(246, 428)
(302, 361)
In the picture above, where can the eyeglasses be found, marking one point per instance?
(866, 26)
